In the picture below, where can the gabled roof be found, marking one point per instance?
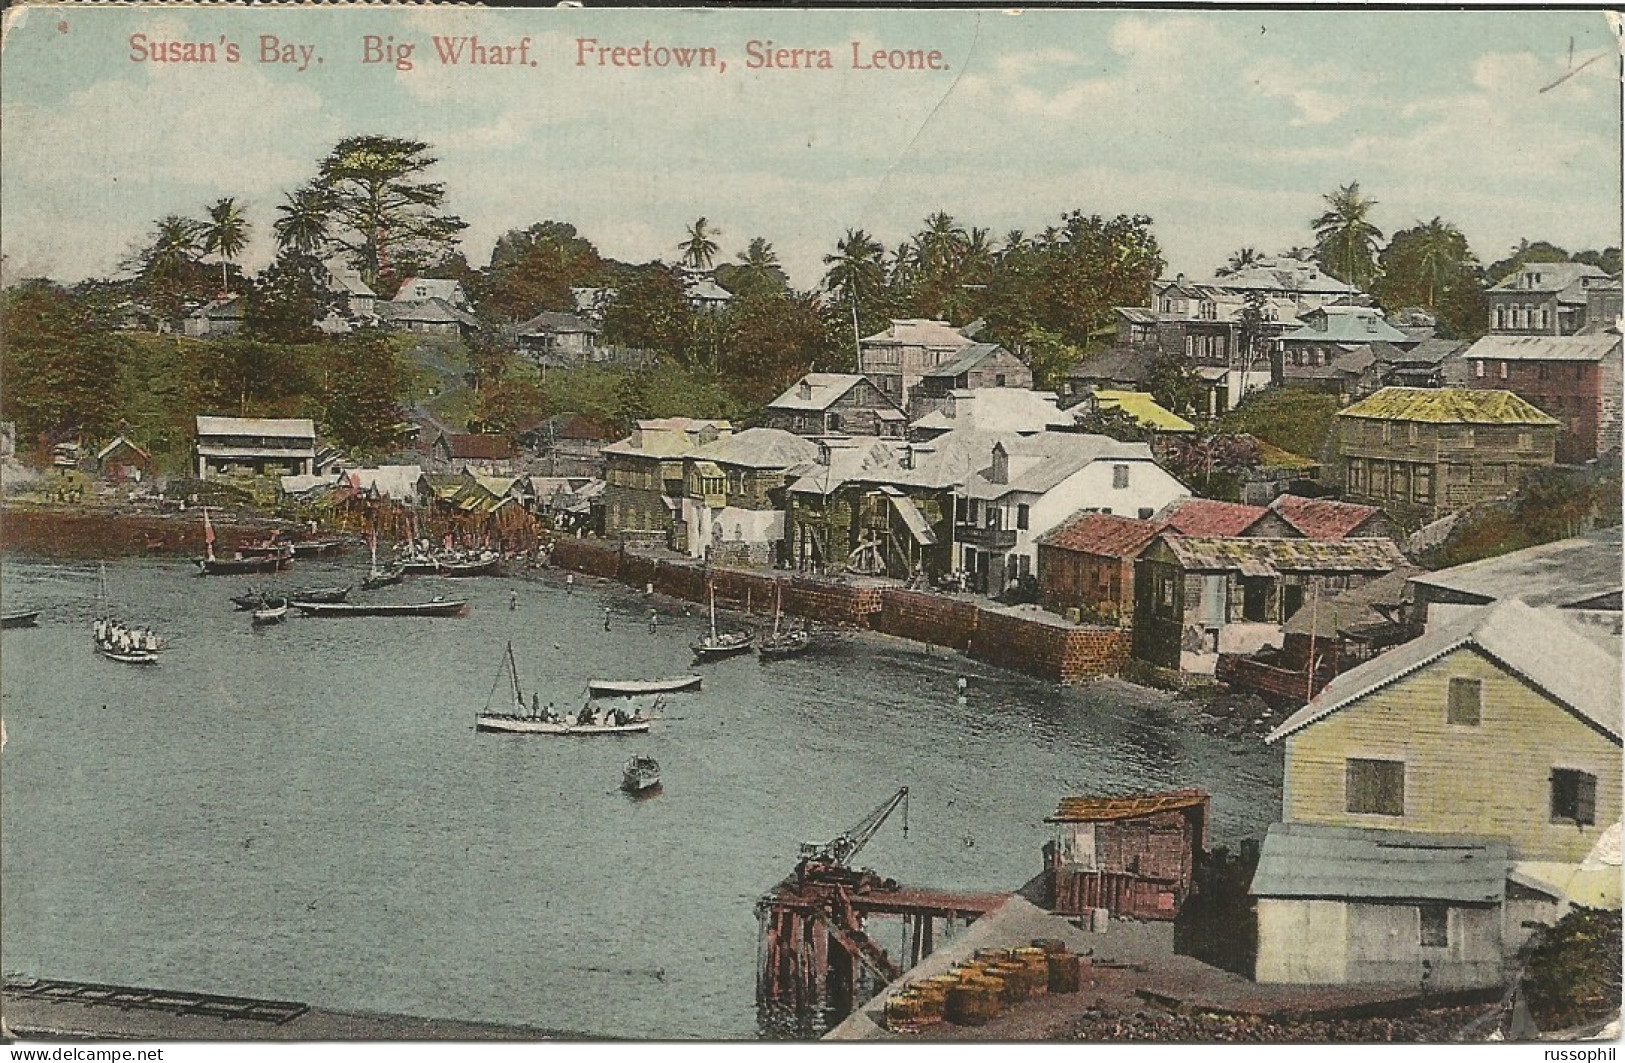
(1592, 348)
(1283, 275)
(479, 447)
(1102, 535)
(1448, 406)
(1344, 324)
(1351, 610)
(429, 311)
(1562, 573)
(120, 441)
(423, 289)
(1272, 557)
(399, 482)
(1117, 364)
(919, 332)
(1536, 645)
(1322, 518)
(552, 322)
(822, 390)
(666, 437)
(707, 290)
(226, 308)
(1209, 516)
(1039, 462)
(967, 359)
(1310, 861)
(341, 278)
(1138, 315)
(997, 410)
(1143, 409)
(1554, 277)
(279, 427)
(1125, 806)
(759, 448)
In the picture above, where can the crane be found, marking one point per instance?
(831, 861)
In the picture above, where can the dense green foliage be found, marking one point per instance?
(1298, 420)
(1550, 504)
(1430, 266)
(1572, 972)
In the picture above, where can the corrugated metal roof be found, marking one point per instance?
(1344, 324)
(919, 332)
(277, 427)
(760, 448)
(917, 525)
(1273, 556)
(1322, 518)
(1144, 409)
(1125, 806)
(1305, 860)
(1544, 348)
(1536, 645)
(1448, 406)
(552, 322)
(816, 391)
(997, 410)
(1563, 573)
(966, 360)
(1554, 276)
(1352, 610)
(1102, 535)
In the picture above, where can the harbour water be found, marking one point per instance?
(305, 811)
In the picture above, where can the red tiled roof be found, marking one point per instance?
(1322, 518)
(1210, 517)
(487, 447)
(1126, 806)
(1103, 535)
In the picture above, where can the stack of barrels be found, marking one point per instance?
(975, 991)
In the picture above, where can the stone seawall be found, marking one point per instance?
(1037, 645)
(100, 533)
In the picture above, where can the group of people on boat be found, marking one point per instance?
(589, 715)
(117, 637)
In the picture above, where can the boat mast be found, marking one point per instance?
(712, 587)
(778, 609)
(208, 535)
(513, 673)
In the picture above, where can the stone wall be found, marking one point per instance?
(928, 618)
(1053, 649)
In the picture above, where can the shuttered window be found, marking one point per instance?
(1574, 797)
(1466, 700)
(1435, 926)
(1376, 787)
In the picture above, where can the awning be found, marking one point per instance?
(918, 526)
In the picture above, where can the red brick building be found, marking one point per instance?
(1575, 379)
(1088, 564)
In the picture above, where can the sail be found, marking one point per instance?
(208, 534)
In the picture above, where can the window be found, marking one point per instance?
(1526, 441)
(1375, 787)
(1119, 476)
(1422, 485)
(1435, 930)
(1387, 432)
(1574, 797)
(1410, 434)
(1356, 475)
(1466, 701)
(1503, 370)
(1021, 515)
(1145, 512)
(998, 380)
(1478, 363)
(1500, 317)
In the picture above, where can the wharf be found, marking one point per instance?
(52, 1010)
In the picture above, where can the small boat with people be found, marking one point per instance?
(324, 595)
(274, 612)
(118, 641)
(641, 775)
(19, 619)
(437, 607)
(725, 644)
(626, 688)
(590, 719)
(242, 563)
(317, 547)
(784, 643)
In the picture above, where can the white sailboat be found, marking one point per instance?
(590, 720)
(118, 641)
(714, 646)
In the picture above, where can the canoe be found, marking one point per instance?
(317, 547)
(239, 566)
(324, 595)
(272, 614)
(19, 619)
(332, 609)
(373, 580)
(624, 688)
(461, 569)
(536, 725)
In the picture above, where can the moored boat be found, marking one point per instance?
(624, 688)
(491, 566)
(785, 644)
(275, 611)
(324, 595)
(438, 607)
(641, 775)
(241, 566)
(383, 578)
(727, 644)
(19, 619)
(317, 547)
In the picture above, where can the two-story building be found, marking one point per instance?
(821, 404)
(880, 506)
(644, 476)
(1331, 331)
(734, 495)
(1385, 781)
(258, 445)
(898, 358)
(422, 289)
(979, 365)
(1576, 379)
(1031, 484)
(566, 336)
(999, 410)
(1430, 451)
(1544, 299)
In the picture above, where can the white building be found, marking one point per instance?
(1032, 484)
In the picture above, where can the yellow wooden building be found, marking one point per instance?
(1502, 724)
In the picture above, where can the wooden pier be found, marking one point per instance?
(816, 949)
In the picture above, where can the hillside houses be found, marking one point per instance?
(836, 403)
(1575, 379)
(1545, 299)
(979, 365)
(1010, 410)
(733, 502)
(898, 358)
(644, 475)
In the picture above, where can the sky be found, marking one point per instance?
(1227, 128)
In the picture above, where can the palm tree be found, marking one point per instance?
(176, 242)
(301, 225)
(1240, 260)
(699, 250)
(226, 232)
(855, 269)
(1440, 248)
(1346, 239)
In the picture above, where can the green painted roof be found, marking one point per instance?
(1448, 406)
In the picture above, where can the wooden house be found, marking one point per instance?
(1087, 564)
(821, 404)
(644, 476)
(489, 452)
(980, 365)
(1134, 855)
(1197, 597)
(567, 335)
(255, 444)
(733, 504)
(1430, 451)
(898, 358)
(121, 461)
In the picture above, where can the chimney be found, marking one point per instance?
(804, 391)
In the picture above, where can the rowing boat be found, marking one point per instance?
(271, 614)
(19, 619)
(625, 688)
(438, 607)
